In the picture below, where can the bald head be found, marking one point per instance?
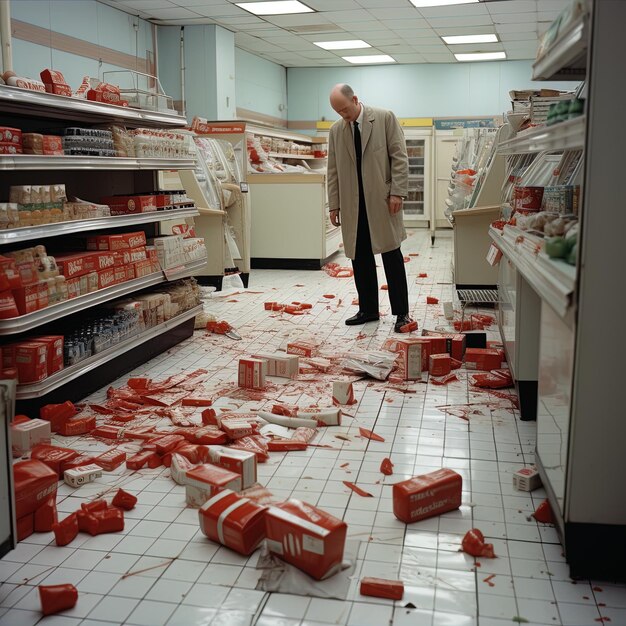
(345, 102)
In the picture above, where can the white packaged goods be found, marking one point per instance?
(280, 364)
(27, 434)
(82, 475)
(526, 479)
(343, 392)
(179, 468)
(252, 373)
(239, 461)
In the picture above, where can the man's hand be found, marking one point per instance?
(394, 203)
(334, 218)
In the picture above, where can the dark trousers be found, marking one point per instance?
(364, 267)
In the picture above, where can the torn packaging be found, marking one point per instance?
(241, 462)
(330, 416)
(206, 480)
(343, 392)
(280, 364)
(252, 373)
(307, 537)
(408, 359)
(427, 495)
(179, 467)
(233, 521)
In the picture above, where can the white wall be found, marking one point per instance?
(87, 20)
(427, 90)
(261, 85)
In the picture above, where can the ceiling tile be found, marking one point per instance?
(515, 28)
(506, 6)
(444, 22)
(527, 36)
(457, 10)
(439, 58)
(363, 26)
(432, 48)
(197, 3)
(376, 4)
(332, 5)
(515, 18)
(515, 56)
(222, 10)
(185, 22)
(476, 47)
(512, 45)
(300, 19)
(172, 13)
(242, 21)
(409, 58)
(340, 17)
(417, 24)
(316, 54)
(484, 29)
(396, 14)
(260, 26)
(545, 16)
(396, 48)
(424, 41)
(144, 5)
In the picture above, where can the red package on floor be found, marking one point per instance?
(209, 436)
(386, 467)
(382, 588)
(196, 402)
(234, 522)
(236, 428)
(53, 456)
(474, 544)
(209, 417)
(139, 460)
(242, 462)
(307, 537)
(496, 379)
(437, 345)
(110, 460)
(431, 300)
(256, 444)
(167, 443)
(78, 461)
(124, 500)
(193, 453)
(482, 359)
(66, 530)
(179, 467)
(439, 364)
(57, 598)
(25, 526)
(427, 495)
(286, 445)
(106, 521)
(57, 414)
(46, 517)
(79, 425)
(206, 480)
(544, 513)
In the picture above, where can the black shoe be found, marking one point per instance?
(362, 318)
(401, 320)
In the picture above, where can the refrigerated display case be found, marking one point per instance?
(417, 206)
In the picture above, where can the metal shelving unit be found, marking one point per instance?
(38, 162)
(29, 321)
(28, 233)
(68, 374)
(568, 135)
(38, 104)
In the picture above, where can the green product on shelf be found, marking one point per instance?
(557, 248)
(562, 111)
(552, 115)
(571, 257)
(576, 107)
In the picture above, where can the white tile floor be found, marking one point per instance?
(185, 580)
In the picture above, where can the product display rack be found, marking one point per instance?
(579, 361)
(567, 135)
(90, 178)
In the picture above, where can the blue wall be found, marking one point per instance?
(427, 90)
(261, 85)
(88, 20)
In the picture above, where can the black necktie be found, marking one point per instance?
(358, 151)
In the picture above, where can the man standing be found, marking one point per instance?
(367, 182)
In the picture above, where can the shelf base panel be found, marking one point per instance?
(6, 546)
(527, 394)
(77, 389)
(286, 264)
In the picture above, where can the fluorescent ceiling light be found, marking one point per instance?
(456, 39)
(371, 58)
(420, 4)
(351, 44)
(480, 56)
(279, 7)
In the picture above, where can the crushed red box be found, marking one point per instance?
(206, 480)
(482, 359)
(427, 495)
(307, 537)
(239, 461)
(252, 373)
(35, 484)
(233, 521)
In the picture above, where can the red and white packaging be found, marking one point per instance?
(280, 364)
(409, 360)
(82, 475)
(10, 135)
(343, 392)
(439, 364)
(31, 361)
(26, 83)
(239, 461)
(55, 457)
(237, 428)
(179, 467)
(8, 307)
(330, 416)
(526, 479)
(206, 480)
(111, 459)
(382, 588)
(233, 521)
(302, 348)
(494, 254)
(106, 278)
(482, 359)
(427, 495)
(79, 425)
(129, 205)
(55, 83)
(25, 435)
(123, 241)
(132, 256)
(307, 537)
(143, 268)
(35, 484)
(26, 298)
(455, 343)
(55, 352)
(397, 344)
(252, 373)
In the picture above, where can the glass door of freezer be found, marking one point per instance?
(415, 206)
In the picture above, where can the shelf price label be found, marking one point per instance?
(494, 254)
(243, 187)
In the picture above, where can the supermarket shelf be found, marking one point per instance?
(566, 58)
(287, 155)
(552, 279)
(38, 162)
(36, 104)
(52, 313)
(563, 136)
(28, 233)
(34, 390)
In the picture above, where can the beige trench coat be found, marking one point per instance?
(385, 170)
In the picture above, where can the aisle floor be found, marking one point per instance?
(180, 578)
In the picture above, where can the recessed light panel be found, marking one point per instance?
(351, 44)
(368, 59)
(481, 56)
(420, 4)
(457, 39)
(279, 7)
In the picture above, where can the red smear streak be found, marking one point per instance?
(357, 490)
(603, 619)
(598, 589)
(489, 579)
(344, 465)
(368, 434)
